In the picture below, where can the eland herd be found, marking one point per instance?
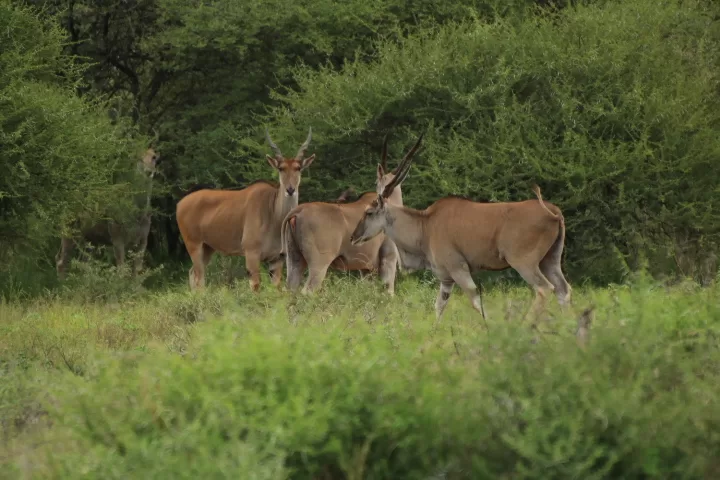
(453, 237)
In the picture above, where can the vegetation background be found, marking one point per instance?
(611, 106)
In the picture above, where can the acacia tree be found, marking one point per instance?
(612, 108)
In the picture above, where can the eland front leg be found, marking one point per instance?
(388, 265)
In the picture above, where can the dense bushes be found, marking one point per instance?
(334, 393)
(59, 155)
(198, 73)
(611, 108)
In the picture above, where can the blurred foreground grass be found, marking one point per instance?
(352, 384)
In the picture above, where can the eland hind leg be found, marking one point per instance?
(295, 268)
(551, 267)
(526, 259)
(542, 286)
(201, 256)
(62, 259)
(275, 267)
(319, 253)
(563, 290)
(446, 286)
(142, 243)
(318, 264)
(316, 275)
(294, 259)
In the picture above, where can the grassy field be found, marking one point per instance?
(351, 384)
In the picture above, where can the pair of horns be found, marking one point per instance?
(278, 153)
(403, 168)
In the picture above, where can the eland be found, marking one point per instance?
(316, 235)
(243, 222)
(455, 237)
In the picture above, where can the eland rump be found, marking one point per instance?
(455, 237)
(243, 222)
(316, 235)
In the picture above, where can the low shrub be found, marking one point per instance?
(401, 396)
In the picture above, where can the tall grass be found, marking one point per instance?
(352, 384)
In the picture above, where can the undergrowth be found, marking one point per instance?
(353, 384)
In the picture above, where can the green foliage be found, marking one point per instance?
(237, 52)
(324, 387)
(91, 280)
(612, 109)
(200, 72)
(60, 155)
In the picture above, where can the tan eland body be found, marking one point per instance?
(455, 237)
(243, 222)
(316, 235)
(122, 235)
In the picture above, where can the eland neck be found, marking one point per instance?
(283, 204)
(406, 228)
(396, 197)
(148, 196)
(143, 196)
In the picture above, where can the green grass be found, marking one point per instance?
(352, 384)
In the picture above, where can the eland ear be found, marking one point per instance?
(272, 161)
(307, 161)
(380, 171)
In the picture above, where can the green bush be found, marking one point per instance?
(61, 157)
(207, 68)
(91, 280)
(611, 108)
(395, 396)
